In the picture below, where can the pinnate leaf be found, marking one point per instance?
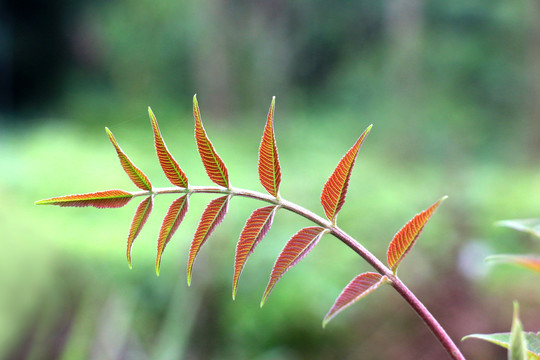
(269, 169)
(503, 339)
(139, 219)
(135, 174)
(214, 166)
(295, 250)
(256, 228)
(172, 220)
(210, 219)
(170, 167)
(335, 189)
(530, 262)
(406, 237)
(99, 199)
(359, 287)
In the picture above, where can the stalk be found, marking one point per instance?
(430, 321)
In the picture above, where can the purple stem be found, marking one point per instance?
(400, 287)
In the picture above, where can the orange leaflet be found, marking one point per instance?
(269, 169)
(170, 167)
(530, 262)
(99, 199)
(172, 220)
(335, 189)
(294, 251)
(406, 237)
(359, 287)
(214, 166)
(210, 219)
(135, 174)
(139, 219)
(256, 228)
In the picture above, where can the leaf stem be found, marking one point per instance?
(397, 284)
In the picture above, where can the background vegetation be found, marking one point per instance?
(453, 91)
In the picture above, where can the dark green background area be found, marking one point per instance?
(452, 89)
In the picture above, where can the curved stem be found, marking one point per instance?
(398, 285)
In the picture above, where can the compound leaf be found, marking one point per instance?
(406, 237)
(135, 174)
(294, 251)
(214, 166)
(170, 167)
(99, 199)
(256, 228)
(172, 220)
(269, 169)
(335, 189)
(210, 219)
(359, 287)
(139, 219)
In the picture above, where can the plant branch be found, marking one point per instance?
(398, 285)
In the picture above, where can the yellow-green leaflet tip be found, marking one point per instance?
(150, 112)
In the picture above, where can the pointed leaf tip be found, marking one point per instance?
(335, 189)
(215, 167)
(406, 237)
(269, 168)
(175, 215)
(139, 219)
(255, 229)
(99, 199)
(135, 174)
(170, 167)
(212, 216)
(358, 288)
(295, 250)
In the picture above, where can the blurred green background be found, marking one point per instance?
(453, 91)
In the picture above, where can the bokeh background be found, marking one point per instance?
(453, 91)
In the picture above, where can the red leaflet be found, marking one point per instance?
(140, 217)
(170, 167)
(135, 174)
(211, 217)
(335, 189)
(269, 169)
(294, 251)
(214, 166)
(253, 232)
(170, 224)
(406, 237)
(359, 287)
(100, 199)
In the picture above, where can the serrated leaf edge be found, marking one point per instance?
(215, 214)
(252, 233)
(335, 188)
(139, 219)
(215, 167)
(170, 167)
(406, 237)
(269, 167)
(359, 287)
(135, 174)
(175, 214)
(310, 236)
